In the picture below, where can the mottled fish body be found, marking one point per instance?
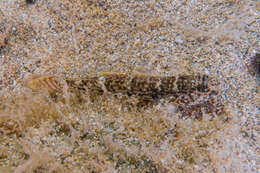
(193, 94)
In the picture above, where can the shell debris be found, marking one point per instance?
(44, 82)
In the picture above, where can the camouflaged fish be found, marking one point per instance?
(190, 92)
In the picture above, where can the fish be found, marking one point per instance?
(141, 84)
(192, 94)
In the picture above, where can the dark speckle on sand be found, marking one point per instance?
(29, 2)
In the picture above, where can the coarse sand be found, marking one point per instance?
(82, 38)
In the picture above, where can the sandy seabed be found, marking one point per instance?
(81, 38)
